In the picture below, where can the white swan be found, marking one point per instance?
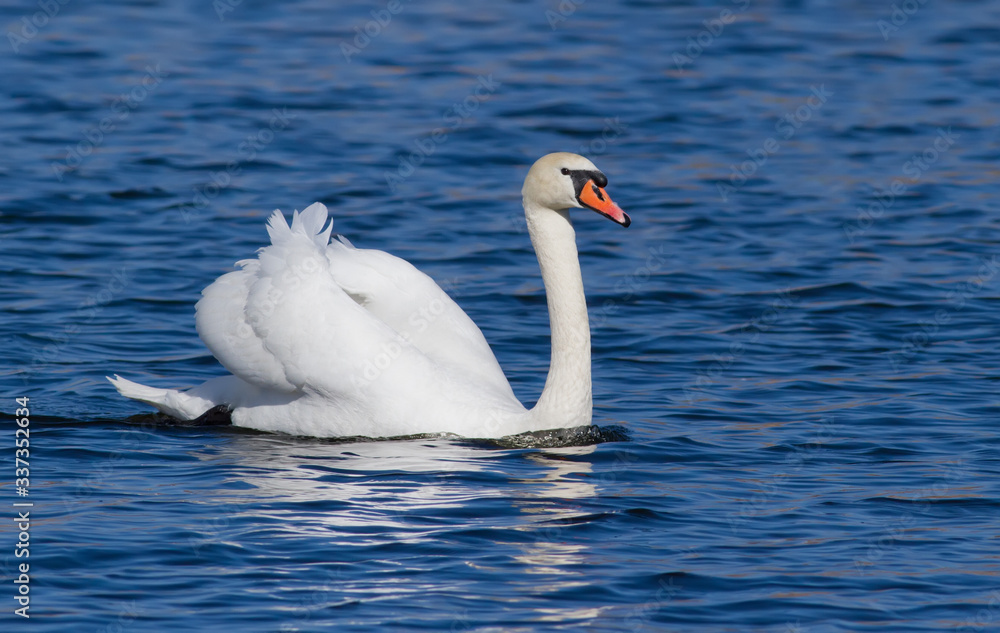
(327, 340)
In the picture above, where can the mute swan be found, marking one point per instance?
(328, 340)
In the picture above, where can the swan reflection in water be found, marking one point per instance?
(419, 493)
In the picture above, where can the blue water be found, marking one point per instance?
(798, 331)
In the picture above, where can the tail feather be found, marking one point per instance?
(277, 227)
(308, 222)
(311, 222)
(172, 402)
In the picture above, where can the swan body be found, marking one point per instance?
(328, 340)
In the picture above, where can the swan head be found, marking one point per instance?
(569, 181)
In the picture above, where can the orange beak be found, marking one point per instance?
(596, 198)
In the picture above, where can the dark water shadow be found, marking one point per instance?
(554, 438)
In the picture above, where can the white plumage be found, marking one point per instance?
(328, 340)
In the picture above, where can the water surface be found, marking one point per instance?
(798, 330)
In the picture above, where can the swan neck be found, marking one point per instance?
(566, 398)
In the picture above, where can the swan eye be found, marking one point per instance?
(565, 172)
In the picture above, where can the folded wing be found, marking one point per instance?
(309, 315)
